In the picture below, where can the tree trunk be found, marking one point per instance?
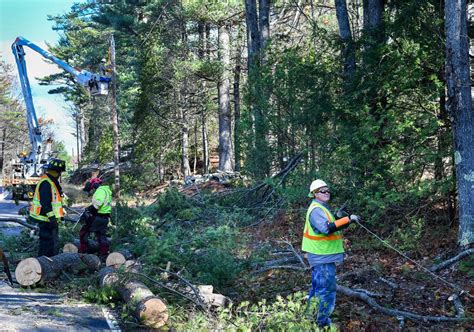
(2, 156)
(237, 124)
(186, 169)
(225, 119)
(264, 23)
(253, 36)
(346, 37)
(459, 106)
(31, 271)
(203, 30)
(146, 306)
(115, 128)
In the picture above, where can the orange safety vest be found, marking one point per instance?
(56, 203)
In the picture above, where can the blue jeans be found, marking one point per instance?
(324, 288)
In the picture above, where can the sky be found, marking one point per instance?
(28, 18)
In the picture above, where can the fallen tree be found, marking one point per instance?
(20, 221)
(147, 307)
(364, 296)
(32, 271)
(451, 261)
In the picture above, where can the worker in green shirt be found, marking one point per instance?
(96, 216)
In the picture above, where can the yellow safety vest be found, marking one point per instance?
(319, 243)
(102, 200)
(56, 203)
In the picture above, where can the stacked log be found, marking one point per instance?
(32, 271)
(92, 246)
(147, 307)
(118, 258)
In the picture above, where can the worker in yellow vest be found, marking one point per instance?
(47, 207)
(96, 216)
(322, 240)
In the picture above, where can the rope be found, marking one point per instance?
(416, 263)
(461, 290)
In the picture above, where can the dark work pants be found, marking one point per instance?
(48, 239)
(97, 225)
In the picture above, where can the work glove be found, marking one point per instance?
(354, 218)
(53, 222)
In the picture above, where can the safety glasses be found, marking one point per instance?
(324, 191)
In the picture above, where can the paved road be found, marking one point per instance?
(27, 311)
(8, 208)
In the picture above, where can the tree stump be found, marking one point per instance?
(146, 306)
(31, 271)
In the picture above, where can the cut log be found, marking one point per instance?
(207, 296)
(92, 246)
(147, 307)
(31, 271)
(70, 248)
(118, 258)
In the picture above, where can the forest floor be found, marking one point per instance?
(367, 263)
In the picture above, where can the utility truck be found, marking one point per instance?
(23, 172)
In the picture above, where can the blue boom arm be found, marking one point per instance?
(95, 84)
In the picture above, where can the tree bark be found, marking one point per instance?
(253, 36)
(346, 37)
(115, 128)
(264, 23)
(202, 54)
(32, 271)
(451, 261)
(459, 105)
(237, 119)
(147, 307)
(225, 119)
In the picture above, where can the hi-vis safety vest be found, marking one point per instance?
(319, 243)
(102, 200)
(56, 203)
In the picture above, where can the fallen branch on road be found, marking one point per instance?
(19, 221)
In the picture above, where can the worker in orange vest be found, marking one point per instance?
(47, 207)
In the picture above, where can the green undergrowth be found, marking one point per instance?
(289, 313)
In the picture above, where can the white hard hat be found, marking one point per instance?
(316, 184)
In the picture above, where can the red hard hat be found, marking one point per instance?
(95, 181)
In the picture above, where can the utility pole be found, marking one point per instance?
(115, 129)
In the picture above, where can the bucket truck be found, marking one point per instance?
(27, 170)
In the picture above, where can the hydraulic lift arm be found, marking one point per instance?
(94, 83)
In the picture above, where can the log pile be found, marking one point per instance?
(32, 271)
